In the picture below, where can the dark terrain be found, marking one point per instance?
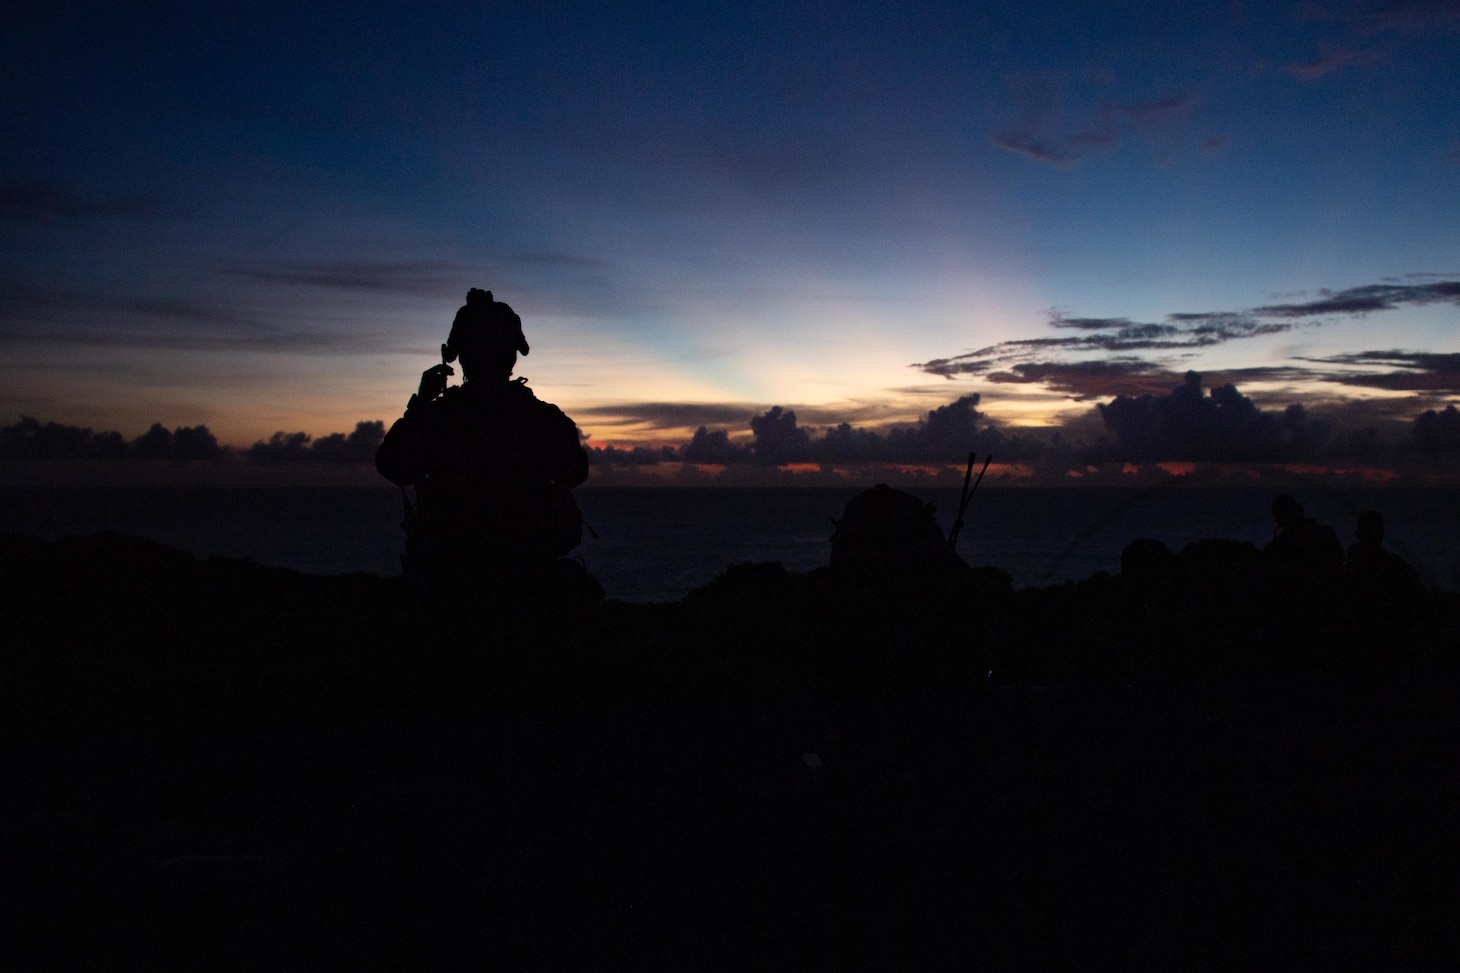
(216, 765)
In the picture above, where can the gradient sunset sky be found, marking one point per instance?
(264, 218)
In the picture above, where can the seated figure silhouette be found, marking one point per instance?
(890, 540)
(1300, 545)
(492, 465)
(1302, 564)
(1373, 572)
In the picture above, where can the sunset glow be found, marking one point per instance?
(856, 217)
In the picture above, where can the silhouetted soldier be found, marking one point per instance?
(1302, 561)
(1374, 572)
(493, 466)
(1300, 545)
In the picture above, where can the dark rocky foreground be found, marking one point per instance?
(215, 765)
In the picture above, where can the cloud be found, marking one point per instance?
(29, 439)
(1110, 356)
(637, 456)
(1224, 426)
(1419, 16)
(1091, 379)
(356, 447)
(714, 447)
(296, 447)
(1118, 335)
(402, 277)
(778, 440)
(1036, 127)
(1437, 431)
(1362, 30)
(1408, 371)
(946, 434)
(36, 315)
(1417, 276)
(552, 259)
(1331, 60)
(1036, 148)
(262, 339)
(41, 200)
(1058, 320)
(1156, 112)
(1365, 300)
(670, 415)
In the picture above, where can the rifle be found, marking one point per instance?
(966, 496)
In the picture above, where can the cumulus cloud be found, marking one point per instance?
(1437, 431)
(714, 447)
(635, 456)
(183, 443)
(1187, 424)
(30, 439)
(298, 447)
(281, 447)
(778, 440)
(356, 447)
(946, 434)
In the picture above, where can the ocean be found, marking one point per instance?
(659, 544)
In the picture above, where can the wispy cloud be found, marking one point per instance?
(1160, 110)
(1364, 300)
(42, 316)
(41, 200)
(1118, 356)
(1037, 148)
(1404, 371)
(1419, 16)
(1036, 127)
(671, 415)
(404, 277)
(1116, 335)
(1331, 60)
(554, 259)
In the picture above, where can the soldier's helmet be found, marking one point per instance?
(482, 327)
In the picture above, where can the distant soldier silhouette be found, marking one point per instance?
(493, 466)
(1374, 572)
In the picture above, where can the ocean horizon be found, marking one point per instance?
(658, 544)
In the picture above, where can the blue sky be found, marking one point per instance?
(264, 219)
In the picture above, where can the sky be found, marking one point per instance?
(262, 218)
